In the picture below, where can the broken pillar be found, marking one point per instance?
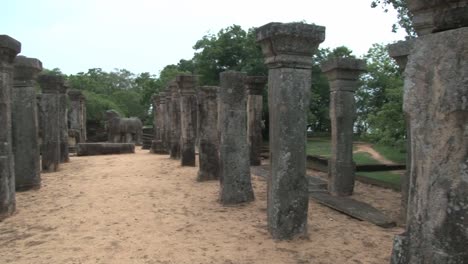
(288, 50)
(25, 124)
(188, 118)
(77, 115)
(208, 133)
(254, 87)
(435, 101)
(175, 121)
(236, 186)
(51, 86)
(343, 75)
(63, 122)
(9, 48)
(399, 52)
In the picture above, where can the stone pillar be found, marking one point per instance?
(159, 105)
(25, 124)
(63, 123)
(9, 48)
(236, 186)
(188, 118)
(77, 114)
(167, 121)
(399, 52)
(254, 87)
(435, 101)
(288, 50)
(208, 133)
(175, 121)
(343, 75)
(51, 86)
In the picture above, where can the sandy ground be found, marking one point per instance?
(145, 208)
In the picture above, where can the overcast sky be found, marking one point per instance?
(146, 35)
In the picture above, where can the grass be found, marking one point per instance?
(385, 176)
(392, 153)
(364, 158)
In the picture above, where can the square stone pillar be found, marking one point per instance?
(188, 118)
(77, 114)
(343, 75)
(25, 123)
(9, 48)
(175, 121)
(288, 50)
(236, 186)
(167, 121)
(53, 87)
(399, 52)
(435, 101)
(254, 87)
(208, 133)
(159, 104)
(63, 122)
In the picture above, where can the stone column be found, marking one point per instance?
(254, 86)
(288, 50)
(51, 86)
(63, 123)
(77, 114)
(236, 186)
(188, 118)
(9, 48)
(159, 105)
(208, 133)
(25, 124)
(435, 100)
(343, 75)
(167, 121)
(175, 121)
(399, 52)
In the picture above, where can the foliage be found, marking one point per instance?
(380, 98)
(404, 16)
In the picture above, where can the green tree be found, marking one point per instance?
(404, 16)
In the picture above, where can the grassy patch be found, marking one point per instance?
(319, 146)
(364, 158)
(392, 153)
(385, 176)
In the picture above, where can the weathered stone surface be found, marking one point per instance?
(208, 133)
(25, 123)
(9, 48)
(188, 118)
(254, 87)
(175, 120)
(63, 122)
(51, 118)
(167, 121)
(288, 49)
(236, 186)
(89, 149)
(399, 52)
(431, 16)
(159, 105)
(435, 100)
(77, 114)
(342, 74)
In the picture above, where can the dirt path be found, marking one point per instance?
(365, 147)
(145, 208)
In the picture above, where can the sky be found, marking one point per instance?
(146, 35)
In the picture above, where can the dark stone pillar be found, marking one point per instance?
(288, 50)
(159, 103)
(167, 121)
(343, 75)
(77, 115)
(51, 86)
(236, 186)
(188, 118)
(399, 52)
(25, 124)
(208, 133)
(435, 100)
(254, 86)
(9, 48)
(175, 121)
(63, 123)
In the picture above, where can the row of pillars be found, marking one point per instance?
(24, 115)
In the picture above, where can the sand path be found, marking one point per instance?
(364, 147)
(145, 208)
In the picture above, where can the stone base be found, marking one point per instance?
(89, 149)
(157, 147)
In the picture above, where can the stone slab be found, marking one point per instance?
(89, 149)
